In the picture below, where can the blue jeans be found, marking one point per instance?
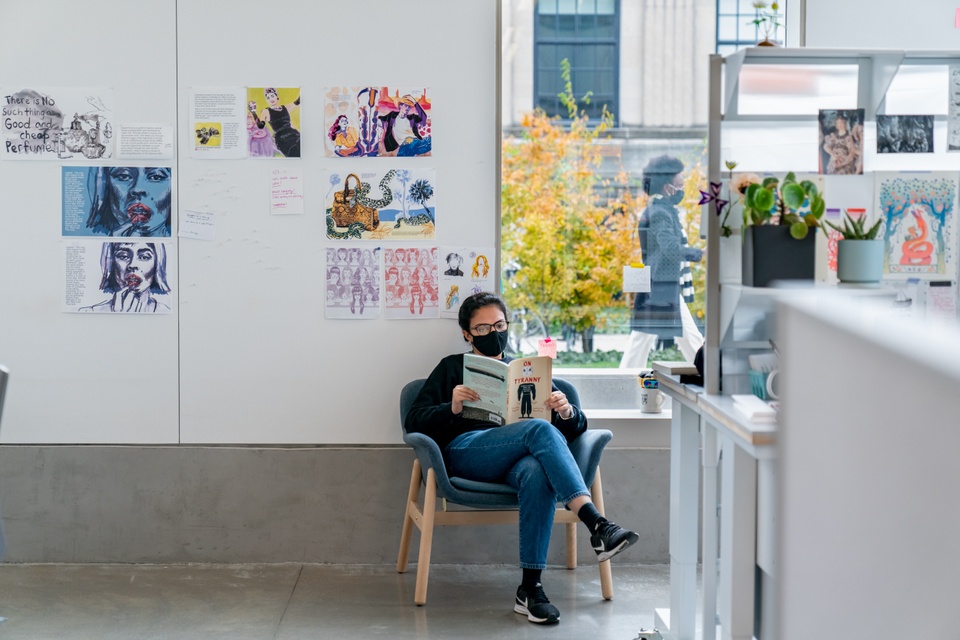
(532, 457)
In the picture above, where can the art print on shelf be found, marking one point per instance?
(378, 122)
(919, 213)
(273, 122)
(841, 141)
(57, 124)
(904, 134)
(116, 201)
(118, 276)
(353, 282)
(410, 282)
(397, 204)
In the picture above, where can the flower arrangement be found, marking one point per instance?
(767, 20)
(768, 201)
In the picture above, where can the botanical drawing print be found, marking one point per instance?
(398, 204)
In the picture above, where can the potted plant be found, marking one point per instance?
(859, 252)
(767, 22)
(779, 222)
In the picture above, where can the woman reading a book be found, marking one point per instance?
(531, 455)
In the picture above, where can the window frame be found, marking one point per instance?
(538, 39)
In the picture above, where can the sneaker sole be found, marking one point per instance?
(606, 555)
(522, 610)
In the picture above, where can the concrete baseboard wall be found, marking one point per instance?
(158, 504)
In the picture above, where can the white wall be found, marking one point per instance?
(247, 357)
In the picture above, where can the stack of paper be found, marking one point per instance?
(753, 408)
(664, 366)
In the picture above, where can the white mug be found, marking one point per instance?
(771, 394)
(651, 401)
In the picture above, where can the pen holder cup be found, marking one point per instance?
(758, 383)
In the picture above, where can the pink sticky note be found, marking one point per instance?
(547, 347)
(956, 20)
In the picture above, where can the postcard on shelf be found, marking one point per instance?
(676, 368)
(509, 392)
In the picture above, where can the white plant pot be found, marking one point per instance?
(860, 261)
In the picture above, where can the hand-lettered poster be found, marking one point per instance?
(57, 124)
(410, 282)
(116, 201)
(919, 212)
(273, 122)
(117, 276)
(397, 204)
(377, 122)
(353, 282)
(464, 271)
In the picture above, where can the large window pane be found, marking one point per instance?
(797, 89)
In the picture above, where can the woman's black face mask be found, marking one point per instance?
(491, 344)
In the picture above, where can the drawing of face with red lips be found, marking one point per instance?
(142, 197)
(134, 265)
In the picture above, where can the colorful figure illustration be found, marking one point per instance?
(386, 123)
(919, 230)
(480, 267)
(133, 272)
(129, 201)
(453, 298)
(278, 116)
(259, 140)
(917, 249)
(345, 138)
(404, 122)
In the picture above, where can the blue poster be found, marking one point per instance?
(123, 202)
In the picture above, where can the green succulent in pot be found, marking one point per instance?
(854, 229)
(797, 204)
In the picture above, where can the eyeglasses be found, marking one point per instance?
(484, 329)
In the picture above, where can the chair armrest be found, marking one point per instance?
(587, 449)
(430, 458)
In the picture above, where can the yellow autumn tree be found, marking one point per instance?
(565, 242)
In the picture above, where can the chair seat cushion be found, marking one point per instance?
(482, 487)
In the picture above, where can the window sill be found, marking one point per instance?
(625, 414)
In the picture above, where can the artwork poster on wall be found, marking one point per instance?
(396, 204)
(117, 276)
(116, 201)
(953, 110)
(57, 124)
(410, 282)
(919, 213)
(841, 141)
(378, 122)
(273, 122)
(464, 271)
(904, 134)
(353, 275)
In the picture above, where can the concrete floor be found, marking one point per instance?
(293, 601)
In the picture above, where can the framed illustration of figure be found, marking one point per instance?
(919, 213)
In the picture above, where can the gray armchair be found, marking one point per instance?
(490, 503)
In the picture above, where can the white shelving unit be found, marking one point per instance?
(764, 104)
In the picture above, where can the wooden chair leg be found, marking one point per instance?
(426, 538)
(406, 533)
(571, 545)
(606, 575)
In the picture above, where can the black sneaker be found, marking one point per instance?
(610, 539)
(536, 606)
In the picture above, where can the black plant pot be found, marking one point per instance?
(770, 253)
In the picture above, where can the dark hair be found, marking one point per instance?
(471, 304)
(660, 172)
